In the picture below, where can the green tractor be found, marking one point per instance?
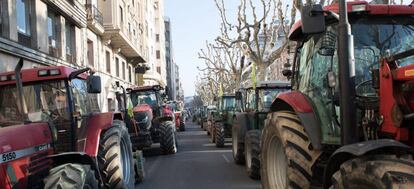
(248, 125)
(223, 116)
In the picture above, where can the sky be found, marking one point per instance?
(193, 22)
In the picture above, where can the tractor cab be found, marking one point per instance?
(50, 125)
(350, 111)
(53, 95)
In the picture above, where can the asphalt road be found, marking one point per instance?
(197, 165)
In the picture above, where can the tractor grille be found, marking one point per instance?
(38, 169)
(139, 118)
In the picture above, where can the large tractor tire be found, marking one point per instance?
(182, 125)
(212, 132)
(115, 157)
(375, 172)
(287, 156)
(71, 176)
(168, 140)
(139, 167)
(220, 135)
(252, 154)
(237, 147)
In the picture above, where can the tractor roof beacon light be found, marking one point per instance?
(349, 131)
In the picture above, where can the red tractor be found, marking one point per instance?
(152, 119)
(360, 133)
(52, 135)
(176, 107)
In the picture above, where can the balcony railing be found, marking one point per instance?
(94, 13)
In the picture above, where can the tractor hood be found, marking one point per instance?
(142, 108)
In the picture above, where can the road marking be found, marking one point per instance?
(225, 158)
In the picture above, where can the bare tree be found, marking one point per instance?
(223, 66)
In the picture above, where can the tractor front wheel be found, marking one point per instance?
(115, 158)
(168, 140)
(73, 176)
(375, 172)
(287, 156)
(219, 134)
(252, 154)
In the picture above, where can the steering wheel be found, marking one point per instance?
(365, 95)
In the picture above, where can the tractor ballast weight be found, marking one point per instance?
(354, 127)
(61, 134)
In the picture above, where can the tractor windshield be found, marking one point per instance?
(379, 37)
(144, 97)
(45, 101)
(229, 103)
(266, 97)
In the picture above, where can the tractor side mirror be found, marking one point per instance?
(313, 19)
(94, 84)
(238, 95)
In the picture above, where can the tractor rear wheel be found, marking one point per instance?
(212, 132)
(252, 154)
(237, 147)
(375, 172)
(219, 132)
(73, 176)
(168, 140)
(287, 156)
(115, 158)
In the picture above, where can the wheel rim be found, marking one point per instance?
(125, 161)
(248, 155)
(277, 164)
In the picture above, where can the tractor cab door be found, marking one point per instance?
(318, 58)
(83, 105)
(251, 108)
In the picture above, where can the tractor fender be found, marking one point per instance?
(241, 124)
(96, 124)
(345, 153)
(77, 158)
(300, 104)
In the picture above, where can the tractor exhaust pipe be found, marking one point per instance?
(349, 128)
(19, 86)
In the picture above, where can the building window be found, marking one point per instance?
(90, 53)
(117, 67)
(108, 62)
(53, 33)
(121, 14)
(23, 11)
(70, 41)
(123, 70)
(157, 37)
(130, 74)
(159, 69)
(158, 54)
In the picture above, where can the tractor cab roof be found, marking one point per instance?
(269, 84)
(357, 8)
(228, 96)
(146, 88)
(39, 74)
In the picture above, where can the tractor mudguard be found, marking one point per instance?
(77, 158)
(345, 153)
(297, 102)
(242, 125)
(96, 124)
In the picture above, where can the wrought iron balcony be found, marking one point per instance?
(95, 18)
